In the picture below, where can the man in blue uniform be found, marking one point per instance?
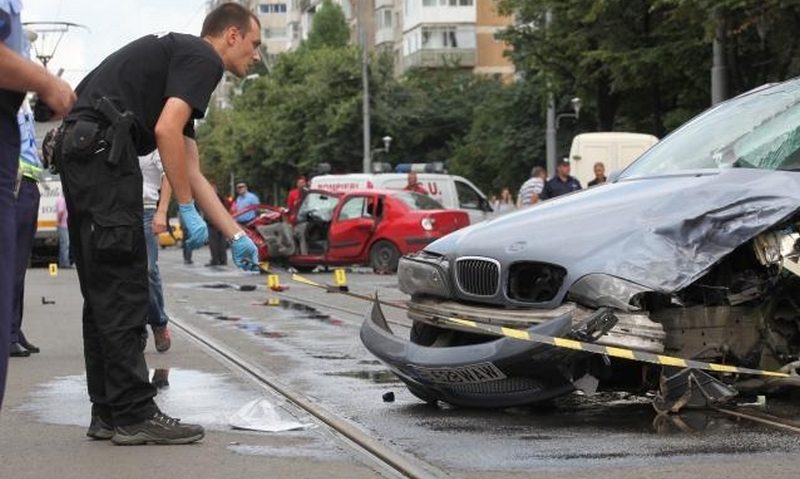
(561, 183)
(27, 214)
(17, 76)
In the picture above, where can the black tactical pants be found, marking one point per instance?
(104, 201)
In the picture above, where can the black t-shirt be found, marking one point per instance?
(142, 75)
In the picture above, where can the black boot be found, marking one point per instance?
(17, 351)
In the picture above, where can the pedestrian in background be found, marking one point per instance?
(530, 190)
(144, 96)
(156, 194)
(505, 203)
(17, 76)
(62, 216)
(244, 198)
(561, 183)
(296, 194)
(27, 215)
(216, 240)
(414, 185)
(599, 174)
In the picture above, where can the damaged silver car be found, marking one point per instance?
(691, 251)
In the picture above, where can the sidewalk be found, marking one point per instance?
(46, 411)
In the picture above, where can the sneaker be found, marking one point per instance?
(159, 429)
(162, 338)
(100, 429)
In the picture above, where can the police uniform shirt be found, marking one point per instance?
(141, 76)
(11, 36)
(555, 187)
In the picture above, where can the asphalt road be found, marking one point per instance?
(311, 342)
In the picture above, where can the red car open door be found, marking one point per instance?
(352, 227)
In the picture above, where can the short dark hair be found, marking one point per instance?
(228, 15)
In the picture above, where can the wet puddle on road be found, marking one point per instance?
(304, 310)
(194, 396)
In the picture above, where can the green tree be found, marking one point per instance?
(505, 139)
(329, 27)
(635, 64)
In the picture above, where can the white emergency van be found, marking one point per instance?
(451, 191)
(45, 243)
(615, 150)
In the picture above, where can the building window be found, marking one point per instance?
(274, 32)
(383, 19)
(267, 8)
(448, 37)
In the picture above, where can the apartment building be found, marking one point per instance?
(435, 33)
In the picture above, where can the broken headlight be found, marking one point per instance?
(601, 290)
(424, 273)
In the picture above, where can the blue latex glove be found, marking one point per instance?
(245, 254)
(196, 234)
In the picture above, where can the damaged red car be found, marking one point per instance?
(372, 227)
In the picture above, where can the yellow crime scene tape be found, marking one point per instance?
(564, 343)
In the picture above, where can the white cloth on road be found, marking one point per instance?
(261, 415)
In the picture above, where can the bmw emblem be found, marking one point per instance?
(516, 247)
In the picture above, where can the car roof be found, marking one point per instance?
(361, 191)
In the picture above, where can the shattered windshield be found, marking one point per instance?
(758, 130)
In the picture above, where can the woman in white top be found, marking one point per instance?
(505, 203)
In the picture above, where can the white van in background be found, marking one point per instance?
(454, 192)
(615, 150)
(45, 243)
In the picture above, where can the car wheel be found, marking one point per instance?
(384, 257)
(422, 395)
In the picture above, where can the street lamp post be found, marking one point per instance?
(387, 141)
(553, 121)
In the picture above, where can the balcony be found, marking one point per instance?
(384, 35)
(439, 57)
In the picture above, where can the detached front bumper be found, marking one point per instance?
(498, 373)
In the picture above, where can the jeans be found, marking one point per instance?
(155, 310)
(63, 248)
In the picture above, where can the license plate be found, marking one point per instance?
(474, 373)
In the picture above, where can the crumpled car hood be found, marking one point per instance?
(660, 232)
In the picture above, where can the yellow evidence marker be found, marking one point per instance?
(340, 278)
(53, 269)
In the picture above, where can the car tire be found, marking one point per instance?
(422, 395)
(383, 257)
